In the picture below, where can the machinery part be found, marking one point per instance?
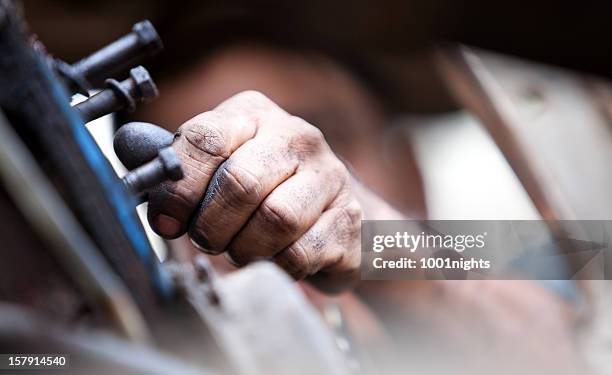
(90, 351)
(43, 207)
(260, 319)
(119, 95)
(37, 106)
(136, 143)
(244, 310)
(126, 51)
(206, 275)
(166, 166)
(536, 114)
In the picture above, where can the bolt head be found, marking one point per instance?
(148, 37)
(144, 83)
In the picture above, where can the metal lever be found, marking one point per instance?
(166, 166)
(126, 51)
(136, 143)
(119, 95)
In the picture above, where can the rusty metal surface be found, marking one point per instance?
(90, 351)
(65, 240)
(261, 320)
(553, 134)
(544, 120)
(555, 129)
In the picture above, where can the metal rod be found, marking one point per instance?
(142, 42)
(166, 166)
(119, 95)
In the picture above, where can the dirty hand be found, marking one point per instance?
(262, 184)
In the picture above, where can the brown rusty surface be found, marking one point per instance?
(28, 274)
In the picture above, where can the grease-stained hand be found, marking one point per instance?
(262, 184)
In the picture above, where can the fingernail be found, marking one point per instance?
(167, 226)
(201, 243)
(231, 260)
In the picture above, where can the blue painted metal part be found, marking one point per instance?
(122, 201)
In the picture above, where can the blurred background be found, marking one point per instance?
(367, 73)
(385, 46)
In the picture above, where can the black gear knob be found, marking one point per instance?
(145, 149)
(136, 143)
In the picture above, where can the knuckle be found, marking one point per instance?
(309, 133)
(252, 98)
(206, 135)
(305, 138)
(296, 261)
(338, 169)
(252, 95)
(350, 216)
(241, 186)
(335, 174)
(280, 216)
(166, 198)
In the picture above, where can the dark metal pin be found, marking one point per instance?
(119, 95)
(166, 166)
(126, 51)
